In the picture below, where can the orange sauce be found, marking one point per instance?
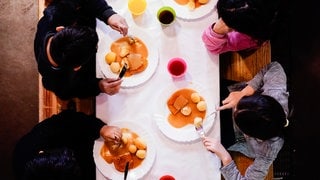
(179, 120)
(136, 48)
(185, 2)
(110, 155)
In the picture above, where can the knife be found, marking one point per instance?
(126, 170)
(123, 70)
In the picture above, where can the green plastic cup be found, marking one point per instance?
(166, 15)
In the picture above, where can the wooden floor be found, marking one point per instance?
(233, 66)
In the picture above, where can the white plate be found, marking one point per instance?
(183, 11)
(109, 171)
(186, 134)
(107, 38)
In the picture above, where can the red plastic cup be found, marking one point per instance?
(167, 177)
(177, 67)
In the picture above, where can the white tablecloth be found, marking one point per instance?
(184, 161)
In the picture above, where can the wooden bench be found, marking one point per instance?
(49, 103)
(236, 67)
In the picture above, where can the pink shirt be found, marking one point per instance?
(232, 41)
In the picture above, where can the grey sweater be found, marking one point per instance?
(272, 81)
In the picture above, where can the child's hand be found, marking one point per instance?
(220, 27)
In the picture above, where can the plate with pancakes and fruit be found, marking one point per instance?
(136, 148)
(180, 105)
(191, 9)
(136, 52)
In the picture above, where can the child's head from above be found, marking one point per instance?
(260, 116)
(255, 18)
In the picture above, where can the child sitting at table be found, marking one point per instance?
(242, 25)
(260, 110)
(65, 47)
(60, 147)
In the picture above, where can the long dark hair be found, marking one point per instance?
(260, 116)
(255, 18)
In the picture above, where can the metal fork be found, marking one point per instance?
(199, 127)
(132, 40)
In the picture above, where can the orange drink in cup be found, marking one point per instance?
(137, 7)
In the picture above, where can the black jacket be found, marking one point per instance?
(74, 130)
(66, 83)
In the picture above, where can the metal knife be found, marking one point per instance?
(126, 170)
(123, 70)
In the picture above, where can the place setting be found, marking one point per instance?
(179, 109)
(132, 158)
(135, 52)
(191, 9)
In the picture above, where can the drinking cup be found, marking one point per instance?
(137, 7)
(177, 67)
(166, 15)
(167, 177)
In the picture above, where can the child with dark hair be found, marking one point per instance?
(65, 47)
(242, 25)
(60, 147)
(260, 110)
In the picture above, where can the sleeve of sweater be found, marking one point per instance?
(230, 171)
(232, 41)
(272, 81)
(102, 9)
(257, 170)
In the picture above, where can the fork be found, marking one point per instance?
(199, 129)
(132, 40)
(199, 126)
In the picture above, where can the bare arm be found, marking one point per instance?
(234, 97)
(216, 147)
(110, 86)
(111, 134)
(220, 27)
(118, 23)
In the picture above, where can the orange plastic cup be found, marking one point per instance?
(137, 7)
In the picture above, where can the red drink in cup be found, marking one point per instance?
(167, 177)
(177, 67)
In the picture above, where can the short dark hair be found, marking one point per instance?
(74, 45)
(55, 164)
(62, 12)
(260, 116)
(255, 18)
